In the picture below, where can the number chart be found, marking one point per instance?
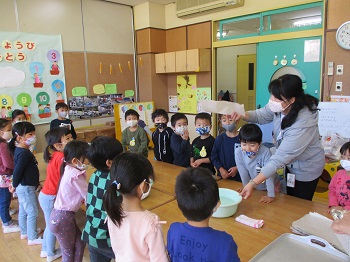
(31, 75)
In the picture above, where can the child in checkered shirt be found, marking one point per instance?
(95, 233)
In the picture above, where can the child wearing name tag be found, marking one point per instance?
(135, 233)
(197, 196)
(134, 137)
(251, 157)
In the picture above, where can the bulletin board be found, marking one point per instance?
(103, 69)
(31, 75)
(333, 116)
(145, 110)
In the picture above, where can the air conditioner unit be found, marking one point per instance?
(194, 7)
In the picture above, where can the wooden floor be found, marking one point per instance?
(12, 248)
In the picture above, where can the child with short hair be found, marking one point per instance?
(251, 157)
(103, 150)
(62, 120)
(339, 187)
(6, 169)
(132, 176)
(134, 138)
(18, 116)
(203, 144)
(223, 153)
(56, 139)
(197, 195)
(180, 141)
(70, 196)
(161, 136)
(25, 180)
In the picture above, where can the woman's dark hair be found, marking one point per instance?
(103, 148)
(74, 149)
(52, 137)
(3, 123)
(17, 112)
(128, 171)
(344, 148)
(250, 133)
(286, 87)
(20, 129)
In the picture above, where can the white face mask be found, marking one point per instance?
(31, 141)
(276, 107)
(131, 123)
(82, 166)
(181, 129)
(345, 164)
(62, 114)
(146, 194)
(7, 135)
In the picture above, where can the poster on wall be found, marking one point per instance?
(186, 94)
(31, 75)
(203, 93)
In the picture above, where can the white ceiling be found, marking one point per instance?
(138, 2)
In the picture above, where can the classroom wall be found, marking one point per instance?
(226, 68)
(87, 27)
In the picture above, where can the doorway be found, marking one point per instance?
(246, 81)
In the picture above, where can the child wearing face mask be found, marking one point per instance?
(339, 187)
(25, 180)
(251, 157)
(134, 138)
(71, 195)
(102, 151)
(223, 153)
(62, 120)
(132, 176)
(161, 137)
(56, 139)
(203, 144)
(180, 141)
(6, 169)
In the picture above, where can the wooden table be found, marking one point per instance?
(278, 215)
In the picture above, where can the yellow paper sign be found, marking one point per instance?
(129, 93)
(98, 89)
(79, 91)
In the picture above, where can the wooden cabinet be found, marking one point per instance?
(194, 60)
(165, 62)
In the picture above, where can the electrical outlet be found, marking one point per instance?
(340, 69)
(339, 86)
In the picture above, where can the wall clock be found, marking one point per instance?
(343, 35)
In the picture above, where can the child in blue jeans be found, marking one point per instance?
(6, 169)
(56, 139)
(25, 180)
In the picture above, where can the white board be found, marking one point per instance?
(334, 116)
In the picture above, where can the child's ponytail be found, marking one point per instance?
(127, 172)
(112, 203)
(12, 144)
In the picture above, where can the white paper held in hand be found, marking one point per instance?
(222, 107)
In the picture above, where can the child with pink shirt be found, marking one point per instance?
(136, 233)
(71, 195)
(339, 188)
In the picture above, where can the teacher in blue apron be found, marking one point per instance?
(298, 148)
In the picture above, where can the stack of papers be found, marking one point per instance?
(320, 226)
